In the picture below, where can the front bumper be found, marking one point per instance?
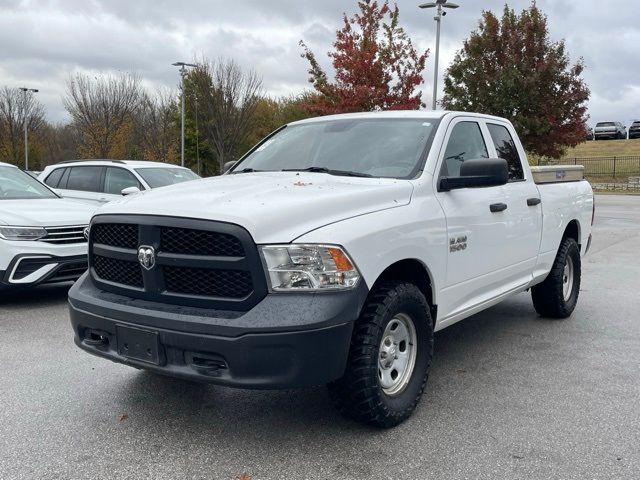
(285, 341)
(29, 263)
(610, 135)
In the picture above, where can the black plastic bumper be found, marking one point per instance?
(286, 341)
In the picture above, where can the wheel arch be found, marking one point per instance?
(413, 271)
(572, 230)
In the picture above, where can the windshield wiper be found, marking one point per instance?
(330, 171)
(247, 170)
(459, 156)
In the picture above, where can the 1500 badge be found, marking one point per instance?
(457, 244)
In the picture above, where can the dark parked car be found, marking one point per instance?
(634, 130)
(589, 135)
(613, 130)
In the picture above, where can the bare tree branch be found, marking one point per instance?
(229, 97)
(15, 109)
(103, 109)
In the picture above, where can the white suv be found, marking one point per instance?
(41, 235)
(101, 181)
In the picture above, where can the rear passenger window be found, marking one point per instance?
(506, 149)
(86, 179)
(465, 143)
(54, 177)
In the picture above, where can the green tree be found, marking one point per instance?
(510, 68)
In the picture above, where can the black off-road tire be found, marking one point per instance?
(548, 296)
(359, 394)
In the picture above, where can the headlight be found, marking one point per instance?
(309, 267)
(22, 233)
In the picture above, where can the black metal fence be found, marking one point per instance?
(614, 167)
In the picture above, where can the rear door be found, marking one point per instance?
(83, 183)
(475, 254)
(524, 208)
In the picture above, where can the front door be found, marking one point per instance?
(475, 233)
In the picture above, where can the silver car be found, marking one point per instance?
(612, 130)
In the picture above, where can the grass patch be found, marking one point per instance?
(605, 148)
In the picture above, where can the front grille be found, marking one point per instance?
(208, 282)
(196, 263)
(200, 242)
(65, 235)
(120, 235)
(69, 271)
(119, 271)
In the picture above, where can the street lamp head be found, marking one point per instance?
(439, 3)
(183, 64)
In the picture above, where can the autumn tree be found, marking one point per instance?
(376, 66)
(16, 108)
(102, 110)
(509, 67)
(157, 126)
(272, 113)
(227, 97)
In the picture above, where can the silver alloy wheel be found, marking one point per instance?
(567, 279)
(397, 354)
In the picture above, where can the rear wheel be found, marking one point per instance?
(557, 296)
(389, 357)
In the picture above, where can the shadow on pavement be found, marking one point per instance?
(468, 347)
(36, 297)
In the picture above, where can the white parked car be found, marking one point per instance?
(330, 253)
(102, 181)
(41, 234)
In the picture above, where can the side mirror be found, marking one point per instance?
(228, 166)
(480, 172)
(130, 191)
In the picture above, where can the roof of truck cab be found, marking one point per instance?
(2, 164)
(426, 114)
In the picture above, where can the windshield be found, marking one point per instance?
(389, 148)
(17, 185)
(606, 124)
(161, 177)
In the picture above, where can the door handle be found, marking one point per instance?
(497, 207)
(532, 202)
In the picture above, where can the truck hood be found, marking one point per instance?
(44, 212)
(273, 206)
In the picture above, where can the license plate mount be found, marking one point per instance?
(138, 344)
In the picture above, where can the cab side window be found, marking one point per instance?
(465, 143)
(506, 149)
(117, 179)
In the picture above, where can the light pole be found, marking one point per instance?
(26, 91)
(195, 97)
(183, 73)
(438, 4)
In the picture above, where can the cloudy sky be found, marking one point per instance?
(42, 42)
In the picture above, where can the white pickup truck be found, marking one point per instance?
(330, 253)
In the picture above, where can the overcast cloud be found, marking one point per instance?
(42, 42)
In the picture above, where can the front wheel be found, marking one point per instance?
(557, 296)
(389, 357)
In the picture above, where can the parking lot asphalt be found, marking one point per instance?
(511, 396)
